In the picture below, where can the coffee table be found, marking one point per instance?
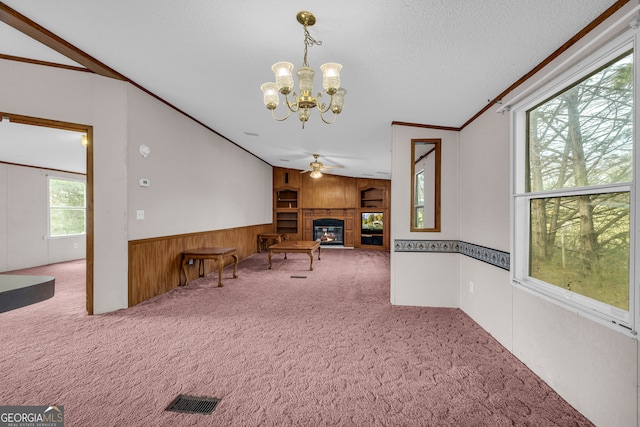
(302, 246)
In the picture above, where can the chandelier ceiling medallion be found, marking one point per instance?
(305, 102)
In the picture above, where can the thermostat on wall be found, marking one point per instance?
(144, 182)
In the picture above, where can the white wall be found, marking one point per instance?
(484, 220)
(417, 279)
(594, 367)
(180, 200)
(199, 181)
(23, 221)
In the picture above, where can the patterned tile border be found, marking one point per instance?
(490, 256)
(449, 246)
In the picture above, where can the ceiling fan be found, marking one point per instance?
(316, 167)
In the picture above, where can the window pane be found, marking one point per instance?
(419, 187)
(67, 204)
(584, 135)
(66, 221)
(581, 243)
(419, 217)
(66, 193)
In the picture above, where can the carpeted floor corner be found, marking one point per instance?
(325, 349)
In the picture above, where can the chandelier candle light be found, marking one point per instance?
(305, 101)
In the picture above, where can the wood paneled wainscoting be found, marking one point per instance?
(154, 264)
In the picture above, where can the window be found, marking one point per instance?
(67, 207)
(418, 203)
(573, 184)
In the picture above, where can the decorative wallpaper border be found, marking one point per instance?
(448, 246)
(490, 256)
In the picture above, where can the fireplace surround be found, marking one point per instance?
(345, 215)
(329, 231)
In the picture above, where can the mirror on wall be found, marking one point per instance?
(425, 184)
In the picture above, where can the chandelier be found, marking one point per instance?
(305, 102)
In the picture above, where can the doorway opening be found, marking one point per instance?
(54, 159)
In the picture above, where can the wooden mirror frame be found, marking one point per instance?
(437, 150)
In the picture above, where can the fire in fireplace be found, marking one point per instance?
(328, 231)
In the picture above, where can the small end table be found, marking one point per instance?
(217, 254)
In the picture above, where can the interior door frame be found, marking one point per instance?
(88, 129)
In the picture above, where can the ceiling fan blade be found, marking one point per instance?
(332, 167)
(305, 171)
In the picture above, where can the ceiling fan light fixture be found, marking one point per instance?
(305, 101)
(315, 174)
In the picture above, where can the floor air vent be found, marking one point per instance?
(298, 277)
(193, 404)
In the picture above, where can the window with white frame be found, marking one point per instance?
(67, 207)
(574, 185)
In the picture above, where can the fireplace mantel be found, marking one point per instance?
(347, 215)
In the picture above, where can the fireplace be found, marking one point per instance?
(328, 231)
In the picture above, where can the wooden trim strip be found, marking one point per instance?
(30, 28)
(41, 168)
(45, 63)
(195, 233)
(418, 125)
(573, 40)
(35, 121)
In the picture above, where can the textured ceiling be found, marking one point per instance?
(435, 62)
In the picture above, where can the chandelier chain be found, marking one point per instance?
(308, 42)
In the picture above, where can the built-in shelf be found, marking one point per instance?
(287, 222)
(372, 239)
(372, 198)
(286, 199)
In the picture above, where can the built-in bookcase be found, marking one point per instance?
(298, 199)
(287, 199)
(287, 222)
(372, 198)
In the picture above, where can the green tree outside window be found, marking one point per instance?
(67, 207)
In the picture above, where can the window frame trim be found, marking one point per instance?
(613, 317)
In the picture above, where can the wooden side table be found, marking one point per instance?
(263, 237)
(217, 254)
